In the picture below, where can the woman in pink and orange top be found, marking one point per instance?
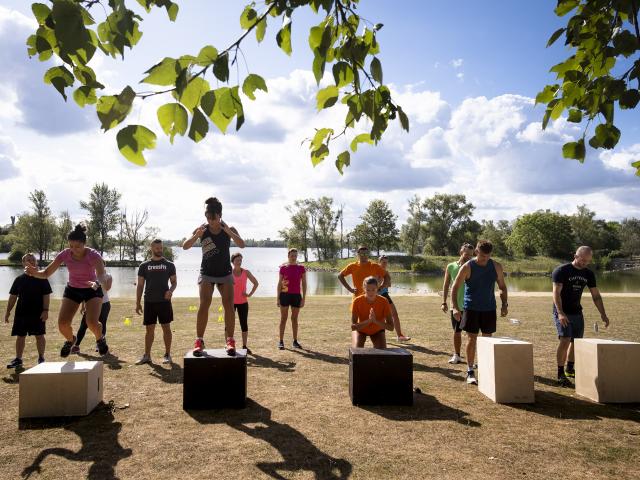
(86, 274)
(290, 294)
(240, 295)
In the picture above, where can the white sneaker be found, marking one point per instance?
(471, 379)
(403, 338)
(144, 359)
(455, 359)
(167, 358)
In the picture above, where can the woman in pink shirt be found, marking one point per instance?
(240, 295)
(292, 277)
(86, 273)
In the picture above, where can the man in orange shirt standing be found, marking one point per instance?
(370, 316)
(362, 269)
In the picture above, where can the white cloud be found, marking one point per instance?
(456, 62)
(460, 76)
(8, 156)
(623, 158)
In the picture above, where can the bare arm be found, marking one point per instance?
(46, 273)
(45, 307)
(139, 290)
(345, 284)
(557, 301)
(304, 286)
(597, 300)
(445, 290)
(173, 279)
(254, 282)
(386, 281)
(279, 289)
(108, 282)
(233, 233)
(195, 236)
(463, 274)
(388, 324)
(504, 309)
(10, 304)
(101, 272)
(355, 325)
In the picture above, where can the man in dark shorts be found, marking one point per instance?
(479, 276)
(155, 274)
(569, 281)
(32, 296)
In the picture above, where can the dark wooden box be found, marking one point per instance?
(380, 377)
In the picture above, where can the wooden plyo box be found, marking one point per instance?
(607, 371)
(505, 370)
(215, 380)
(60, 389)
(380, 377)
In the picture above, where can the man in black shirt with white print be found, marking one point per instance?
(569, 281)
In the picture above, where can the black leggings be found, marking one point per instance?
(243, 315)
(104, 315)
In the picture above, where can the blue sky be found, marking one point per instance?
(465, 74)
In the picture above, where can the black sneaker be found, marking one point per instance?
(563, 381)
(296, 344)
(281, 345)
(570, 372)
(103, 348)
(15, 363)
(66, 348)
(249, 352)
(40, 360)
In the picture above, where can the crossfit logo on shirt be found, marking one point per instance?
(209, 248)
(157, 267)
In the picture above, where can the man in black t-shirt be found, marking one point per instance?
(32, 296)
(156, 274)
(569, 281)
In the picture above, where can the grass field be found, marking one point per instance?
(300, 423)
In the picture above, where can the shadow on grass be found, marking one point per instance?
(266, 362)
(323, 357)
(13, 378)
(111, 361)
(297, 451)
(420, 349)
(450, 373)
(173, 374)
(98, 433)
(555, 405)
(425, 407)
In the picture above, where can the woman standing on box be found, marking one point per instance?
(86, 274)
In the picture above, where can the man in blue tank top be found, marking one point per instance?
(479, 276)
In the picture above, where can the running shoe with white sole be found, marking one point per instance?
(471, 379)
(198, 347)
(144, 359)
(455, 359)
(15, 363)
(167, 358)
(230, 346)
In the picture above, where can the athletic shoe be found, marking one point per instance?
(455, 359)
(144, 359)
(40, 360)
(249, 352)
(281, 345)
(471, 379)
(15, 363)
(563, 381)
(66, 347)
(231, 346)
(570, 373)
(198, 347)
(475, 366)
(296, 344)
(403, 338)
(75, 349)
(103, 348)
(167, 358)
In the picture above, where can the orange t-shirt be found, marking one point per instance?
(361, 307)
(359, 272)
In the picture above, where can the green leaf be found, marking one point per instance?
(343, 160)
(173, 119)
(237, 105)
(248, 17)
(404, 120)
(557, 109)
(284, 38)
(327, 97)
(342, 74)
(319, 155)
(219, 106)
(565, 6)
(41, 12)
(164, 73)
(207, 56)
(362, 138)
(172, 10)
(548, 94)
(575, 115)
(629, 99)
(319, 137)
(636, 165)
(221, 67)
(60, 78)
(261, 29)
(69, 29)
(608, 135)
(199, 126)
(555, 36)
(625, 43)
(575, 150)
(252, 83)
(85, 96)
(315, 36)
(113, 109)
(132, 140)
(319, 63)
(193, 92)
(376, 70)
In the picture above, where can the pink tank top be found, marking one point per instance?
(240, 287)
(83, 270)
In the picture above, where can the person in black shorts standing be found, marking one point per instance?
(215, 239)
(569, 281)
(32, 296)
(480, 276)
(156, 274)
(291, 293)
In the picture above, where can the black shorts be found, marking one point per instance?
(455, 324)
(161, 312)
(243, 315)
(31, 325)
(79, 295)
(387, 296)
(474, 321)
(290, 299)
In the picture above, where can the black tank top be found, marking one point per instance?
(216, 261)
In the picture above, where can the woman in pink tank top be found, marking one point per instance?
(240, 295)
(86, 274)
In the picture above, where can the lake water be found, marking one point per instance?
(264, 263)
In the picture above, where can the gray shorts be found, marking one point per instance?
(228, 279)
